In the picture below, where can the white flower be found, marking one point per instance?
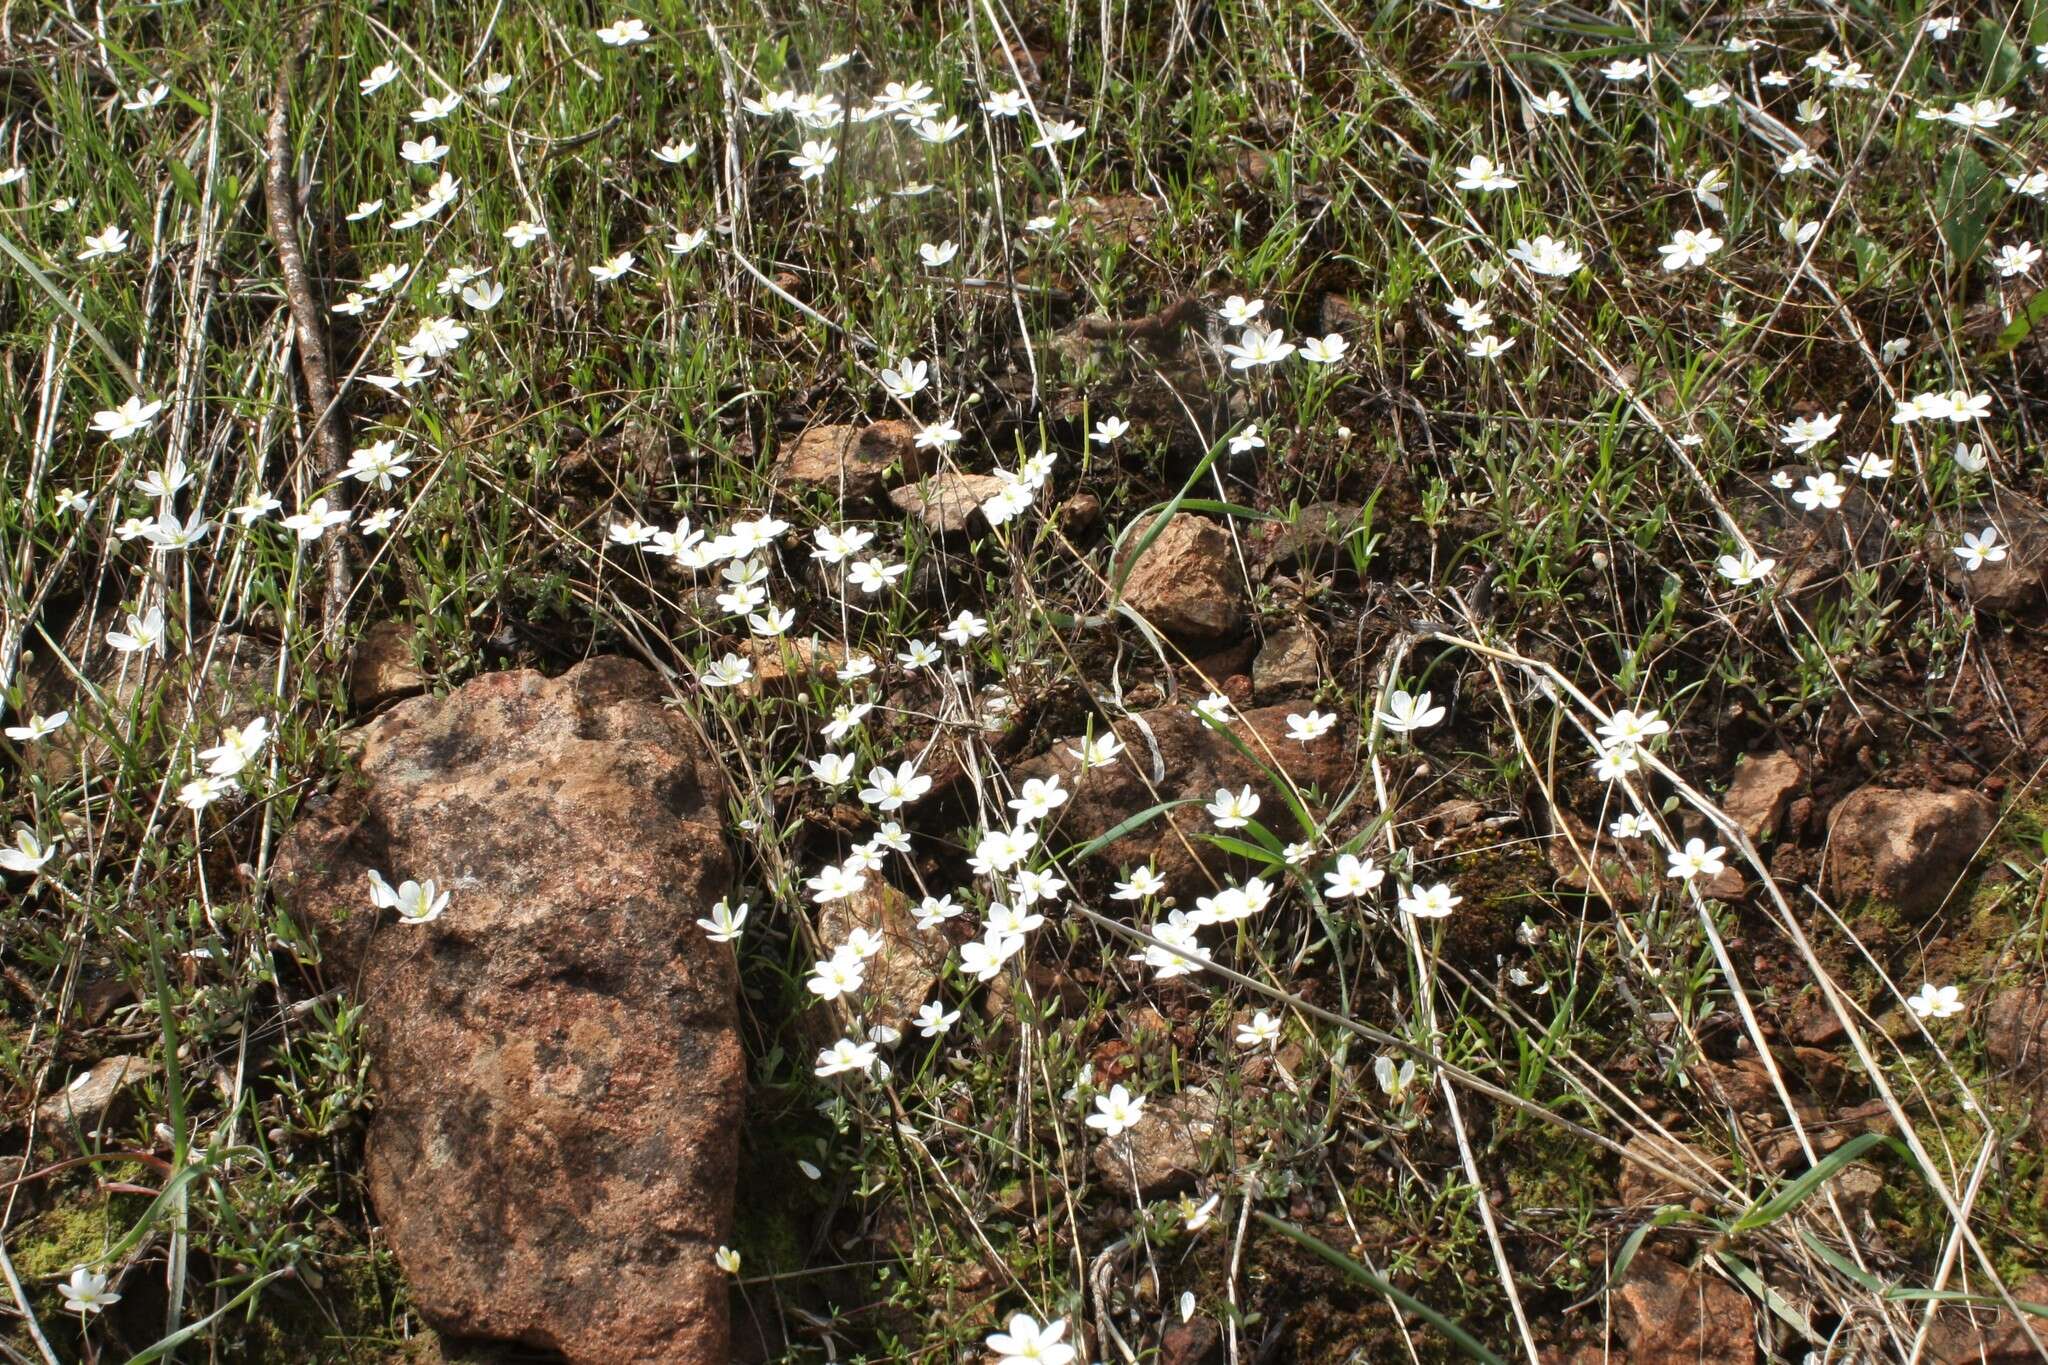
(1488, 347)
(675, 153)
(730, 671)
(415, 902)
(887, 790)
(935, 255)
(1745, 569)
(726, 923)
(144, 633)
(1255, 347)
(906, 380)
(1480, 173)
(1038, 798)
(623, 33)
(37, 727)
(1325, 350)
(380, 76)
(1117, 1112)
(1233, 810)
(834, 882)
(933, 1019)
(1804, 433)
(484, 296)
(524, 234)
(1470, 317)
(1312, 726)
(1428, 902)
(1405, 713)
(1823, 492)
(1545, 255)
(833, 770)
(1061, 130)
(984, 957)
(1180, 955)
(1028, 1343)
(1108, 429)
(612, 268)
(1696, 859)
(844, 973)
(1629, 825)
(28, 853)
(237, 749)
(845, 1055)
(1214, 708)
(424, 152)
(1394, 1080)
(1352, 877)
(110, 242)
(2016, 258)
(1707, 96)
(1798, 232)
(1935, 1002)
(1980, 548)
(1689, 248)
(1624, 69)
(1142, 884)
(813, 160)
(683, 243)
(1551, 104)
(1098, 751)
(434, 107)
(315, 520)
(1238, 311)
(86, 1292)
(1262, 1031)
(1869, 465)
(132, 418)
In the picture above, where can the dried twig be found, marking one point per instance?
(309, 323)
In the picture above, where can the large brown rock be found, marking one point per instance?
(1192, 761)
(1186, 583)
(1907, 848)
(555, 1058)
(849, 462)
(1665, 1314)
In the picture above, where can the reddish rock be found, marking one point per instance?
(1187, 583)
(556, 1059)
(1193, 761)
(1664, 1314)
(1288, 665)
(947, 503)
(1194, 1342)
(1971, 1335)
(901, 977)
(849, 462)
(1907, 848)
(1177, 1140)
(1762, 789)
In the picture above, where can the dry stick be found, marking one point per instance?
(316, 362)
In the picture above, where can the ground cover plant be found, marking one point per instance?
(1570, 475)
